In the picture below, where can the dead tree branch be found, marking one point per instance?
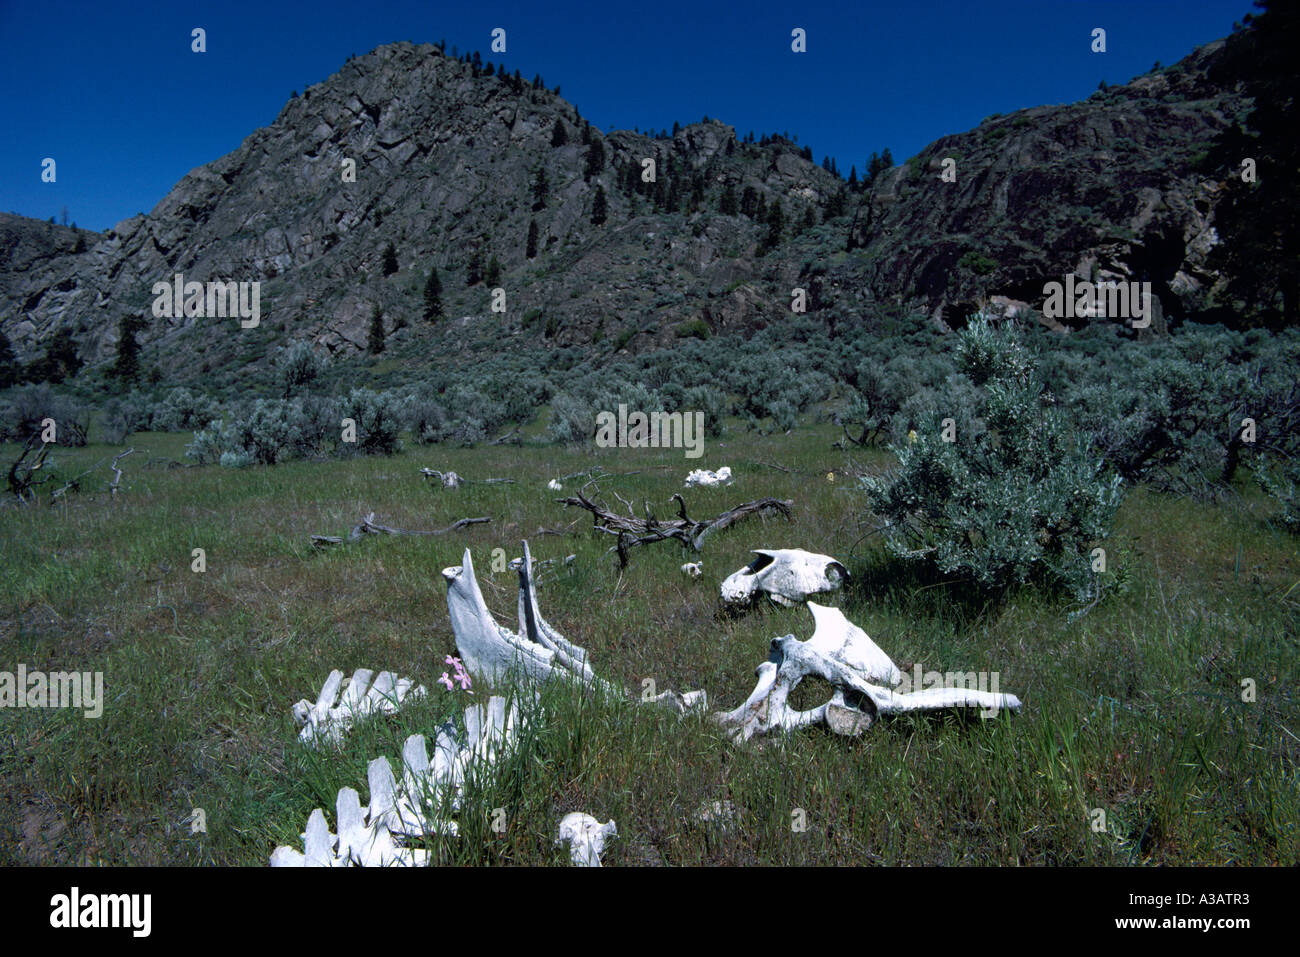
(452, 480)
(369, 526)
(630, 530)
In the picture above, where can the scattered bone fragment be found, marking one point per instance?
(586, 838)
(706, 479)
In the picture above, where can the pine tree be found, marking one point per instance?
(493, 275)
(537, 81)
(853, 177)
(432, 296)
(8, 363)
(531, 251)
(559, 136)
(540, 188)
(760, 211)
(674, 198)
(390, 260)
(474, 270)
(599, 208)
(375, 344)
(126, 368)
(775, 223)
(749, 202)
(727, 205)
(595, 159)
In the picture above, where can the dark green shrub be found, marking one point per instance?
(1015, 496)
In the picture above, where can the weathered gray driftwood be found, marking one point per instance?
(368, 526)
(452, 480)
(862, 677)
(631, 531)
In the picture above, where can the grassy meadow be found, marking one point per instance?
(1134, 710)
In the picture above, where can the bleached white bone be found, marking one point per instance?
(707, 479)
(787, 575)
(586, 838)
(860, 673)
(555, 486)
(342, 702)
(692, 569)
(537, 651)
(374, 837)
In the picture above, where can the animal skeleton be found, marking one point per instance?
(341, 702)
(537, 651)
(788, 576)
(861, 674)
(377, 836)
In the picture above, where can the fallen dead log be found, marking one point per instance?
(368, 526)
(631, 531)
(117, 472)
(452, 480)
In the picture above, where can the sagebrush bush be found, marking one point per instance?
(572, 420)
(29, 405)
(379, 417)
(268, 431)
(1283, 486)
(184, 411)
(1016, 496)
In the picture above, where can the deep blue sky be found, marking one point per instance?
(112, 92)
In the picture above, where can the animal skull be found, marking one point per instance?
(787, 575)
(586, 838)
(861, 674)
(692, 569)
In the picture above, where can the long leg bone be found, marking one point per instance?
(861, 674)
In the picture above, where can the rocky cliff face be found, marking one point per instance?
(1111, 188)
(446, 164)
